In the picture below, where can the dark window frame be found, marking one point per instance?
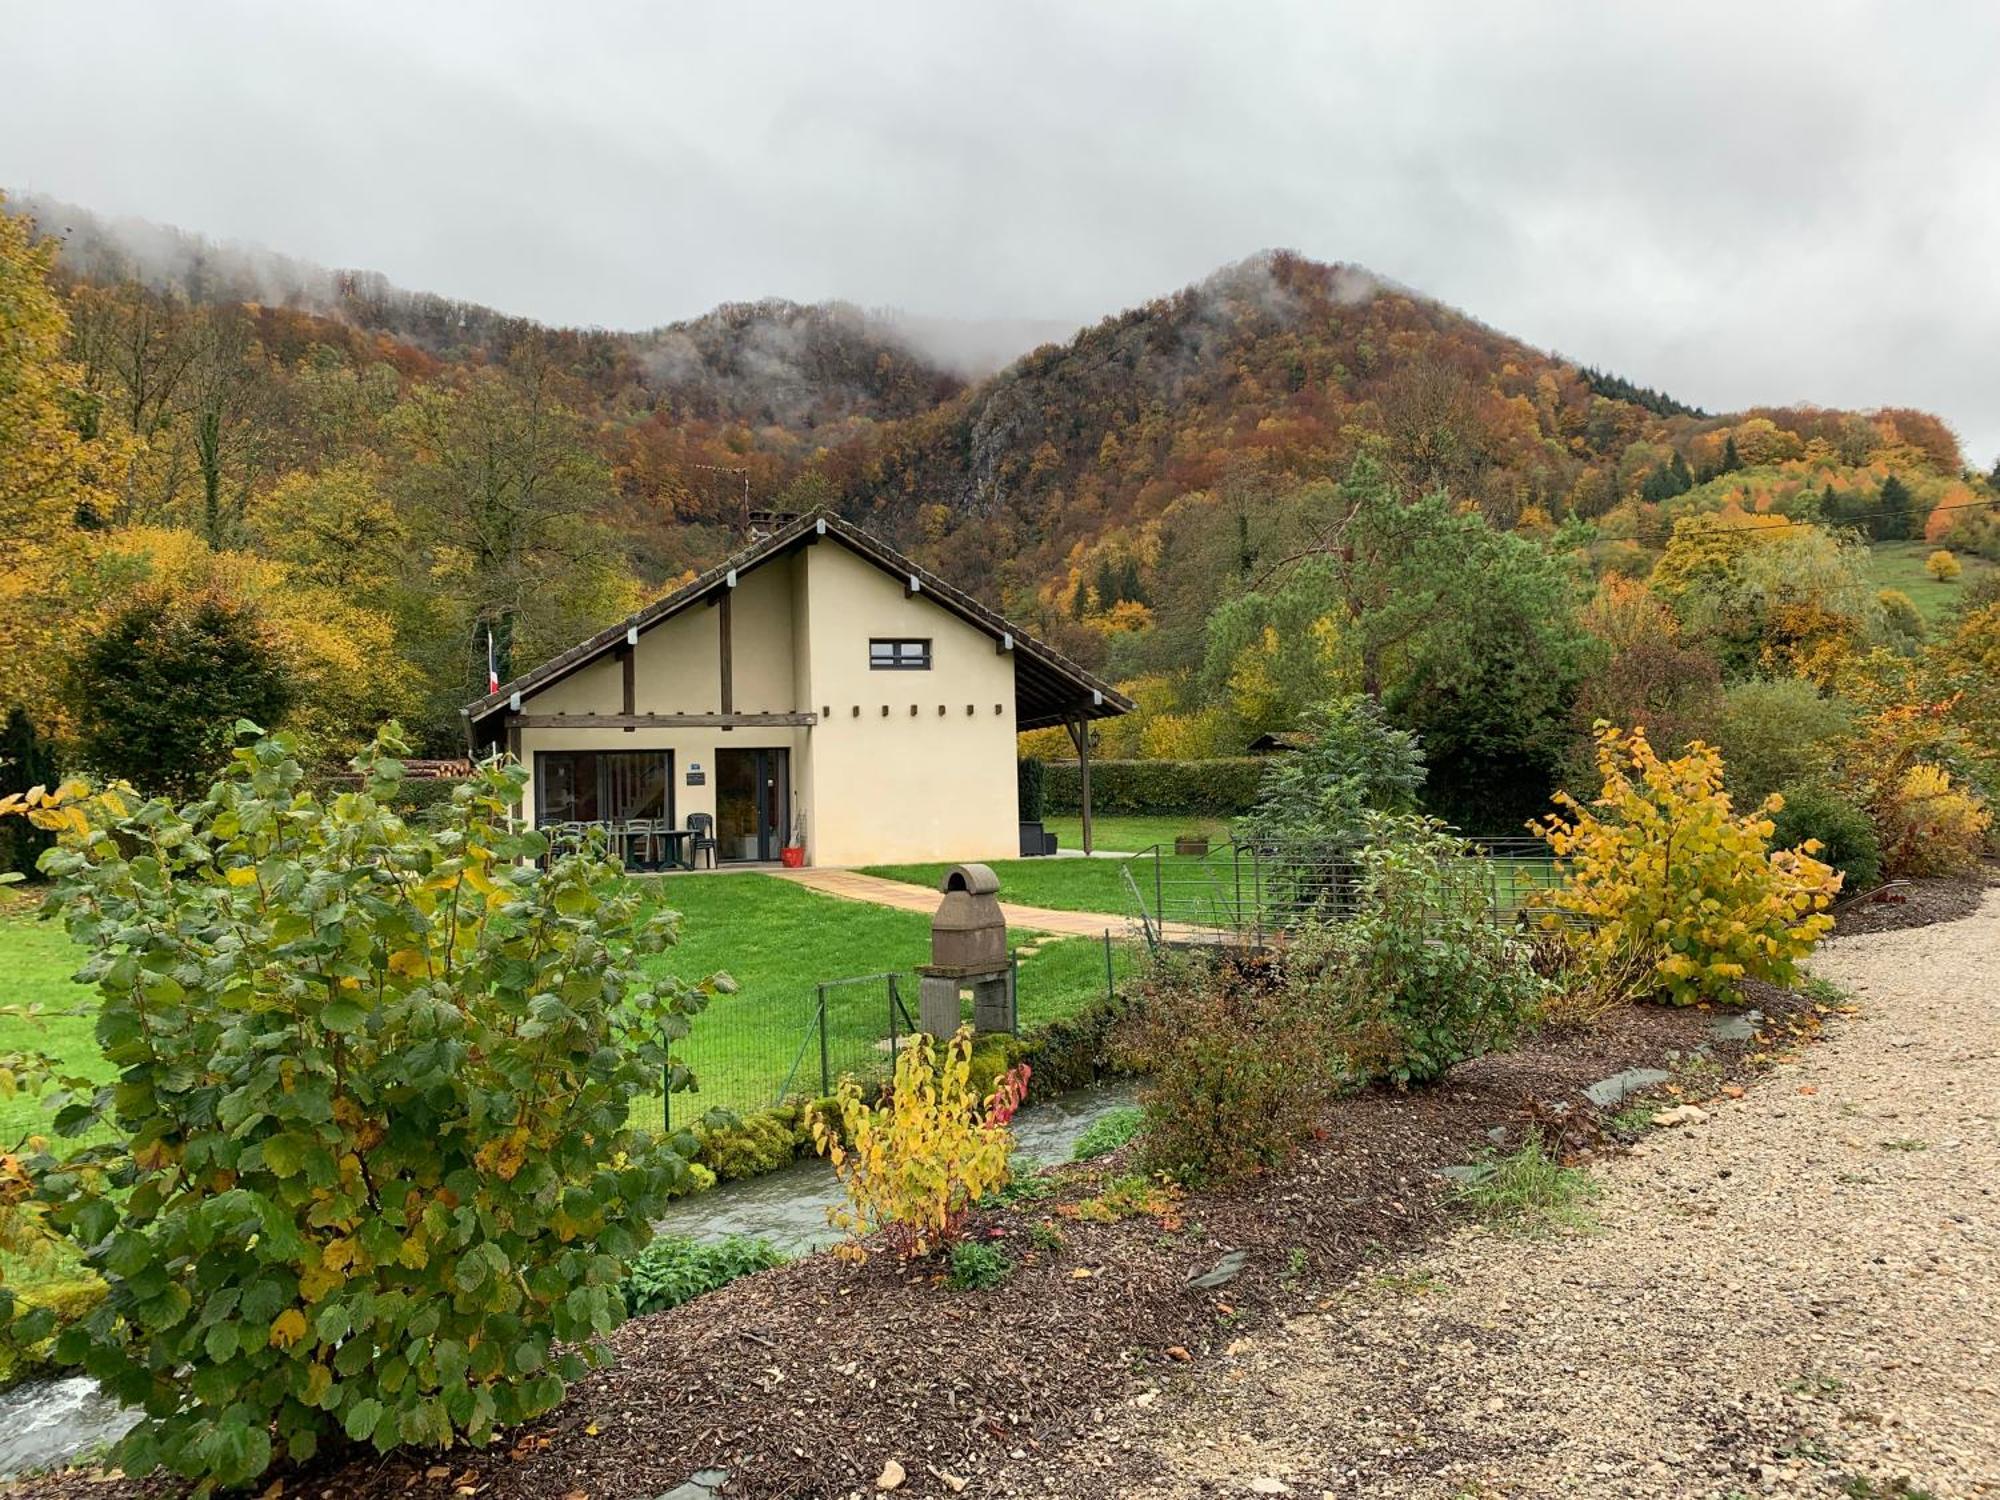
(603, 772)
(896, 661)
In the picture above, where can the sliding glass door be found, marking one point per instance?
(603, 786)
(752, 798)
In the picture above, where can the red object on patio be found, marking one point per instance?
(793, 856)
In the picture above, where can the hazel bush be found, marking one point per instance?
(1928, 824)
(372, 1170)
(914, 1165)
(1664, 871)
(1415, 977)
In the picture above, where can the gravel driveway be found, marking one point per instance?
(1800, 1296)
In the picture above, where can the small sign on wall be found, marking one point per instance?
(695, 775)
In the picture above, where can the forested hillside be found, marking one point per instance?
(1288, 482)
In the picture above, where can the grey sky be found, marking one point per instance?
(1737, 202)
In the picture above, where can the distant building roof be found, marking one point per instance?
(1284, 739)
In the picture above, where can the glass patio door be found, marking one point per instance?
(752, 797)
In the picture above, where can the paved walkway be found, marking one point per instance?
(1799, 1297)
(852, 885)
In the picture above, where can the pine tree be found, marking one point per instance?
(1893, 503)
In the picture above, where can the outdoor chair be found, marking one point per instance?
(702, 826)
(633, 841)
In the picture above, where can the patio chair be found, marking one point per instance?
(636, 841)
(702, 826)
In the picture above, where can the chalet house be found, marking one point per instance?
(818, 690)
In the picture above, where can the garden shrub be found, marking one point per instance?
(914, 1165)
(1415, 977)
(1771, 732)
(1666, 873)
(976, 1266)
(1239, 1067)
(1929, 825)
(1220, 788)
(676, 1268)
(733, 1146)
(372, 1167)
(1353, 762)
(1108, 1132)
(1814, 811)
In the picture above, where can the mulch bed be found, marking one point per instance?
(805, 1380)
(1918, 903)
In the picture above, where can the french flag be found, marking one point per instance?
(492, 672)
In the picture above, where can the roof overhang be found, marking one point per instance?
(1049, 688)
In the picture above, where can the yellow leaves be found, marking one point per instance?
(316, 1283)
(504, 1156)
(915, 1164)
(411, 962)
(1665, 870)
(288, 1328)
(242, 875)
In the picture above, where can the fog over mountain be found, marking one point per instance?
(1782, 202)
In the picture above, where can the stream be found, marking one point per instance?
(46, 1422)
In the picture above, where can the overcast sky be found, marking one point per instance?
(1737, 202)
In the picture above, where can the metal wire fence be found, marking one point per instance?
(1254, 893)
(752, 1052)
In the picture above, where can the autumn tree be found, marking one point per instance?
(46, 468)
(502, 488)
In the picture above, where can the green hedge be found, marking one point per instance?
(1212, 788)
(1032, 775)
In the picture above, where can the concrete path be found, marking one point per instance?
(852, 885)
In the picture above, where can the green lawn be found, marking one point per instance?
(776, 939)
(1900, 565)
(1063, 884)
(36, 961)
(779, 941)
(1129, 835)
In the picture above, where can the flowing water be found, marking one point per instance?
(788, 1207)
(48, 1422)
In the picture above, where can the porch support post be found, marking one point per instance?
(1079, 733)
(728, 664)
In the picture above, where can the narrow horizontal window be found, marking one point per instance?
(899, 656)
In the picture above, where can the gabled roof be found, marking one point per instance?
(1049, 688)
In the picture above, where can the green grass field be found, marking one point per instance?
(777, 940)
(1128, 835)
(1900, 565)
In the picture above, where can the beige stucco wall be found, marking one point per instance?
(900, 786)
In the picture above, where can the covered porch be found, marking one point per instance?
(672, 806)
